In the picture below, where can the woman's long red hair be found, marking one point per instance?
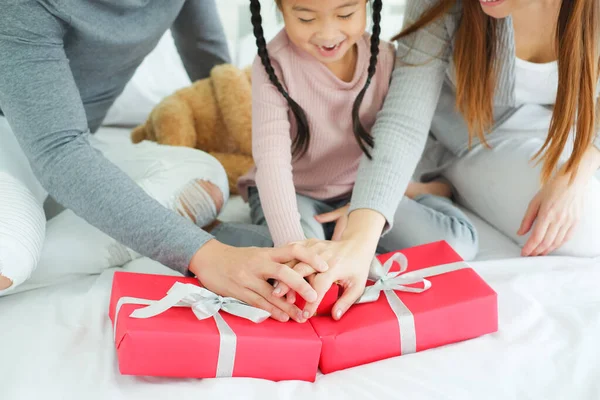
(476, 63)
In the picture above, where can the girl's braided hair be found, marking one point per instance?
(302, 138)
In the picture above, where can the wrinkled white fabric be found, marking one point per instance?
(22, 229)
(74, 247)
(22, 217)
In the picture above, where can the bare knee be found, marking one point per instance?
(193, 197)
(5, 282)
(214, 192)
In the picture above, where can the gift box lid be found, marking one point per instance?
(179, 320)
(449, 295)
(176, 343)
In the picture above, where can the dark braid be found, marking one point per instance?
(302, 139)
(363, 137)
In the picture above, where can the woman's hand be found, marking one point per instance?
(242, 273)
(349, 260)
(556, 210)
(340, 217)
(557, 207)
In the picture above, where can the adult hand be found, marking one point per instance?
(349, 261)
(553, 214)
(339, 216)
(242, 273)
(303, 269)
(556, 208)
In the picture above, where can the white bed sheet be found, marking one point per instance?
(56, 342)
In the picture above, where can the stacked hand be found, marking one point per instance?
(348, 256)
(348, 262)
(243, 273)
(340, 217)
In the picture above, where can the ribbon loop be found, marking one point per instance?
(204, 304)
(390, 281)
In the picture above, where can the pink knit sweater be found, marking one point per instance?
(328, 169)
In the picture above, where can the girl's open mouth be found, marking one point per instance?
(330, 51)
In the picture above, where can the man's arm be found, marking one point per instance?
(39, 97)
(200, 38)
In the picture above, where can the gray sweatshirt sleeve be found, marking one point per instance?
(200, 38)
(39, 98)
(402, 126)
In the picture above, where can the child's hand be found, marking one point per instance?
(349, 260)
(340, 216)
(304, 270)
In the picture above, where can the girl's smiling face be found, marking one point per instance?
(326, 29)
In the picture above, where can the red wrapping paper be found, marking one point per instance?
(458, 306)
(326, 305)
(177, 344)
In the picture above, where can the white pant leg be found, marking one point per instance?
(74, 247)
(498, 184)
(22, 219)
(163, 171)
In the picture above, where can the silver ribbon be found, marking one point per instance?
(204, 304)
(387, 282)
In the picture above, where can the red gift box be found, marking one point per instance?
(176, 343)
(326, 305)
(458, 305)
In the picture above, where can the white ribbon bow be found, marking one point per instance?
(388, 282)
(204, 304)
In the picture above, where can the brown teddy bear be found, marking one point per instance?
(213, 115)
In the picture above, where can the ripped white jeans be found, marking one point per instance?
(43, 253)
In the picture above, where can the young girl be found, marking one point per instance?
(317, 88)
